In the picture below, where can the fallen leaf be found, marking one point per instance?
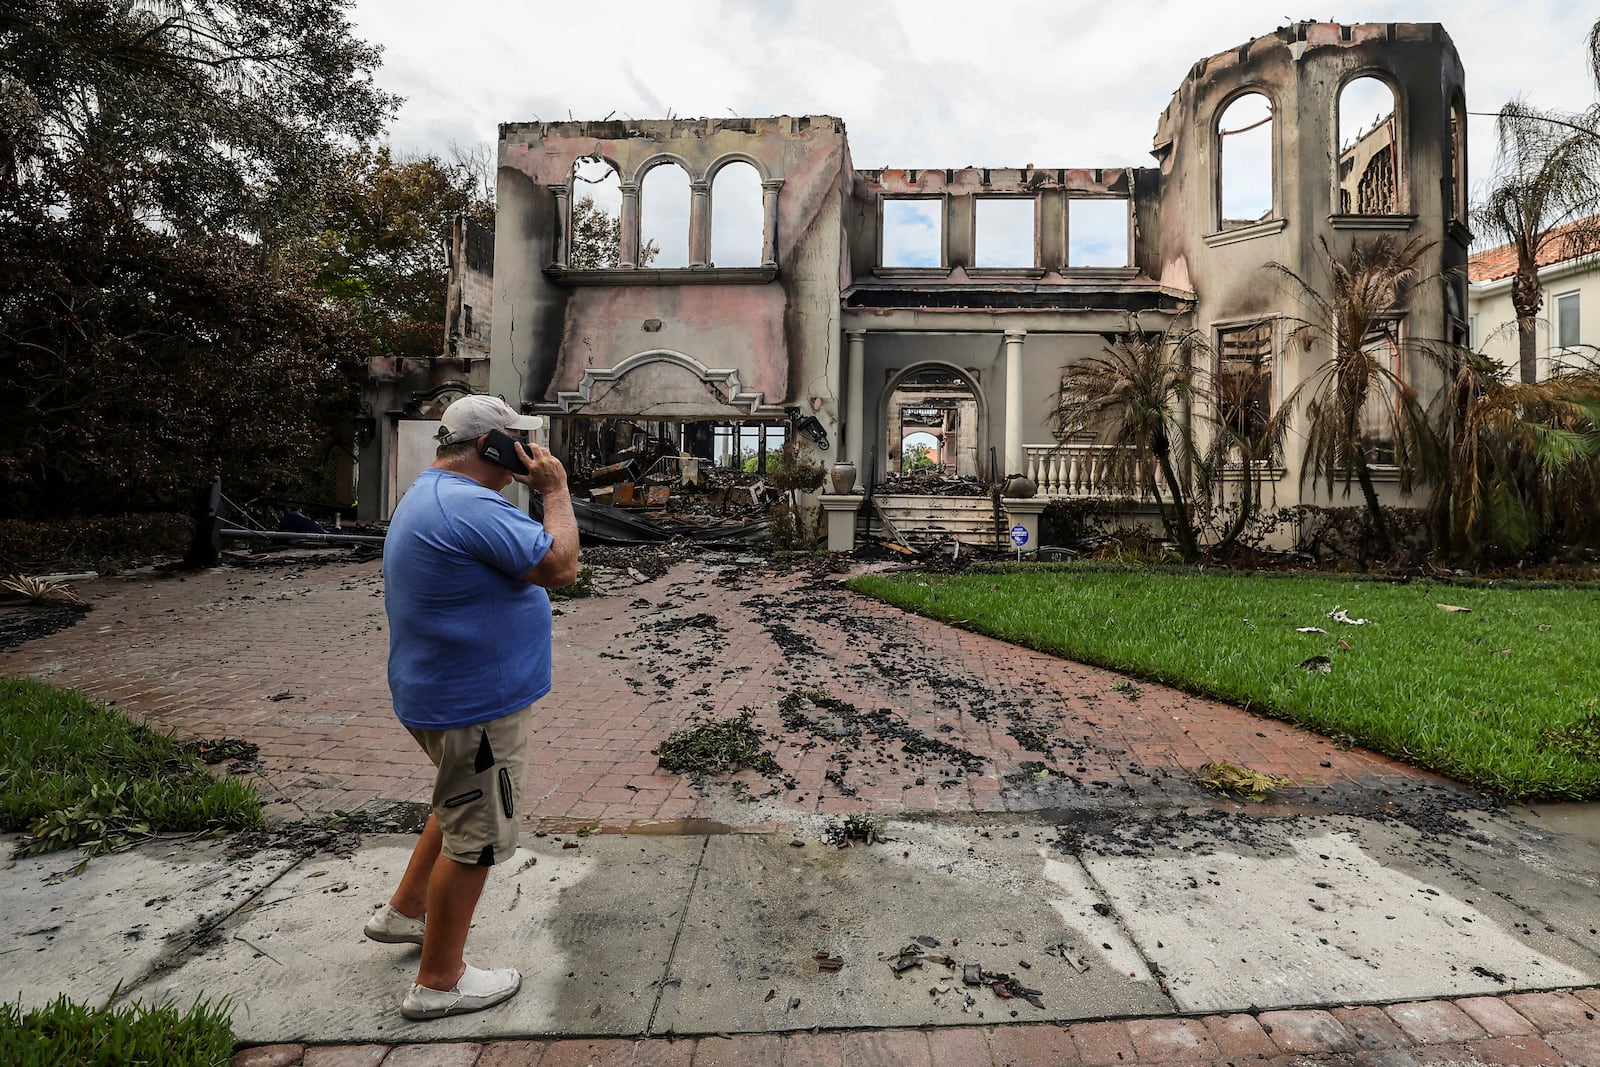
(1454, 607)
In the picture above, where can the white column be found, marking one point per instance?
(628, 256)
(769, 221)
(1014, 339)
(855, 402)
(699, 223)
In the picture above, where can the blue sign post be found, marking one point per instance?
(1019, 537)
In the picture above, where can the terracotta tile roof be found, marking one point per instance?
(1563, 243)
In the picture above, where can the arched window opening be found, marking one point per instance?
(664, 217)
(736, 217)
(1004, 232)
(1458, 161)
(932, 425)
(596, 215)
(1369, 149)
(1245, 175)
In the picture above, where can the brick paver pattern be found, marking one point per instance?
(1238, 1040)
(905, 715)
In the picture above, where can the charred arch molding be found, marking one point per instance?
(724, 395)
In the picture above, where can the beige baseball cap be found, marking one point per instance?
(470, 417)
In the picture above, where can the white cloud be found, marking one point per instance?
(919, 83)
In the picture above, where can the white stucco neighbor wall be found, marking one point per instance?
(1494, 321)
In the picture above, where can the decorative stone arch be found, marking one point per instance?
(736, 157)
(430, 403)
(660, 383)
(1401, 144)
(1274, 152)
(650, 163)
(899, 377)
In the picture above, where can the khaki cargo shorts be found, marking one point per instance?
(478, 789)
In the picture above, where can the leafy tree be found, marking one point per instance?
(1355, 397)
(382, 248)
(916, 457)
(597, 238)
(1134, 397)
(157, 160)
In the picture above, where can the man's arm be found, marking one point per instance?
(559, 567)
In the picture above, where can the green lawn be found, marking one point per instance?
(1503, 696)
(75, 773)
(67, 1033)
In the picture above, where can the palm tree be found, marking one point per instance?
(1546, 189)
(1543, 197)
(1356, 397)
(1136, 397)
(1524, 458)
(1244, 439)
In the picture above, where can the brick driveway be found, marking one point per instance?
(886, 712)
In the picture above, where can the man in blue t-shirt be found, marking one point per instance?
(464, 579)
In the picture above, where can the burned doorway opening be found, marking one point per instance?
(932, 424)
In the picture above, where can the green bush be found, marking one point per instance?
(105, 543)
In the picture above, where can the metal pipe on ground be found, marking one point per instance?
(290, 535)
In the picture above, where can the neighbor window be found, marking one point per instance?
(913, 232)
(1244, 162)
(1004, 235)
(1567, 320)
(1244, 381)
(1369, 150)
(1097, 233)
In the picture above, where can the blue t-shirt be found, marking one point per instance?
(469, 640)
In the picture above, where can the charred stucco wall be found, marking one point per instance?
(776, 328)
(1301, 69)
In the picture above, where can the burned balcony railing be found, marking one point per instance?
(1081, 469)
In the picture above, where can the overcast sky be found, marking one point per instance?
(1054, 83)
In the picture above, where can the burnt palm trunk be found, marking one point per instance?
(1380, 526)
(1526, 299)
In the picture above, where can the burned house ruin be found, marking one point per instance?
(861, 307)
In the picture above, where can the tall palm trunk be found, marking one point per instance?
(1526, 298)
(1380, 525)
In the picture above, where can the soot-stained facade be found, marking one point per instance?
(984, 281)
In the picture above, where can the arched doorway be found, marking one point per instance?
(931, 422)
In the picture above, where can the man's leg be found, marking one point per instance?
(411, 897)
(453, 891)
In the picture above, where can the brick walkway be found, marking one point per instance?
(887, 712)
(1553, 1029)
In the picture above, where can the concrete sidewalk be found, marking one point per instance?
(1163, 940)
(1043, 818)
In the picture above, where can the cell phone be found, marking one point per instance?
(500, 448)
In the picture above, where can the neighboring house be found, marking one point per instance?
(1569, 273)
(402, 399)
(761, 280)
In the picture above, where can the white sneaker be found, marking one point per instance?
(392, 928)
(475, 990)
